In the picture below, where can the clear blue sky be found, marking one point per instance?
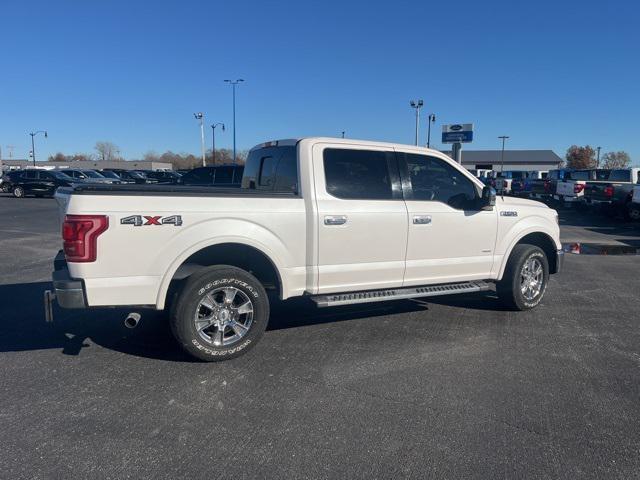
(547, 73)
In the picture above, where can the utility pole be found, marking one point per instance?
(417, 105)
(200, 116)
(33, 145)
(233, 83)
(503, 138)
(10, 148)
(431, 119)
(213, 139)
(598, 158)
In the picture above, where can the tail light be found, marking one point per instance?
(608, 191)
(578, 187)
(505, 184)
(80, 234)
(547, 186)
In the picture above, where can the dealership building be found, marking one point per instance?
(519, 160)
(87, 165)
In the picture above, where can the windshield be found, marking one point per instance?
(135, 174)
(108, 174)
(92, 174)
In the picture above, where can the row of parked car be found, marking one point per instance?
(614, 191)
(43, 183)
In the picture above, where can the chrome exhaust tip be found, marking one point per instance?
(132, 320)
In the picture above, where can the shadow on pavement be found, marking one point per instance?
(22, 325)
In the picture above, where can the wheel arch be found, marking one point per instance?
(538, 238)
(242, 254)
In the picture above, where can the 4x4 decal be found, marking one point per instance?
(144, 220)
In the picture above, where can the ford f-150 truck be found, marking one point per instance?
(340, 221)
(614, 192)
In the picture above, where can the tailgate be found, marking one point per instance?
(538, 186)
(567, 188)
(62, 197)
(596, 191)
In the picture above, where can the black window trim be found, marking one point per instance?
(407, 187)
(392, 169)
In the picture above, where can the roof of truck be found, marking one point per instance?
(345, 141)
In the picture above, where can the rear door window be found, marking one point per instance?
(358, 174)
(223, 176)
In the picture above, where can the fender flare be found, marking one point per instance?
(520, 236)
(184, 255)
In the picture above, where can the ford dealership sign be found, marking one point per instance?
(457, 132)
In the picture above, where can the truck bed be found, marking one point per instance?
(165, 190)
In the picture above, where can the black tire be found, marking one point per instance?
(18, 192)
(510, 287)
(203, 343)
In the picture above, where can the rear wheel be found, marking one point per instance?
(633, 212)
(18, 192)
(220, 313)
(525, 278)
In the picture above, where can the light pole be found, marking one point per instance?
(417, 105)
(431, 119)
(233, 85)
(598, 158)
(213, 139)
(503, 138)
(33, 145)
(200, 116)
(342, 133)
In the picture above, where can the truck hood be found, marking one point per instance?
(518, 202)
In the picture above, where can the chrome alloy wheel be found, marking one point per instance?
(224, 316)
(531, 278)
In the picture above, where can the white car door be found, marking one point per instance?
(450, 239)
(362, 218)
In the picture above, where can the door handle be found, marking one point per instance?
(422, 219)
(335, 219)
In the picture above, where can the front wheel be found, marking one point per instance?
(18, 192)
(220, 313)
(525, 278)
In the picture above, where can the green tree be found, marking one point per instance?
(581, 157)
(619, 159)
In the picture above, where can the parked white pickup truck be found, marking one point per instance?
(341, 221)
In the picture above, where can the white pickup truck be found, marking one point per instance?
(341, 221)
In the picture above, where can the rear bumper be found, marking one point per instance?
(559, 260)
(69, 291)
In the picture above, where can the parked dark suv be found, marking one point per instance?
(219, 176)
(163, 176)
(41, 183)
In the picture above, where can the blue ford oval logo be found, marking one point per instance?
(455, 128)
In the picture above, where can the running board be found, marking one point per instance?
(398, 293)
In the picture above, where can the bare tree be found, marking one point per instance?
(107, 151)
(619, 159)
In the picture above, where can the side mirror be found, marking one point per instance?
(488, 199)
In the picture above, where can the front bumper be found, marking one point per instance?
(68, 291)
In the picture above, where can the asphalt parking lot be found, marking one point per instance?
(453, 387)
